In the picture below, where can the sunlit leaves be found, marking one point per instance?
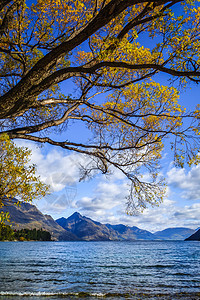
(17, 176)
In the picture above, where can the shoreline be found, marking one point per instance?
(110, 295)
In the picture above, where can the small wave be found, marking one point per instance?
(158, 266)
(182, 274)
(43, 294)
(86, 295)
(49, 294)
(62, 295)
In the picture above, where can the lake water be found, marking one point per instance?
(96, 270)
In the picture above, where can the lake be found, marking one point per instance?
(98, 270)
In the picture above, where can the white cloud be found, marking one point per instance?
(106, 195)
(188, 182)
(151, 219)
(56, 168)
(189, 213)
(60, 171)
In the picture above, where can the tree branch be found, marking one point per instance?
(15, 100)
(42, 126)
(4, 3)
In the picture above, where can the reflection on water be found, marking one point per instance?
(123, 270)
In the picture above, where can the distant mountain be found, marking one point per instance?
(194, 237)
(177, 233)
(90, 230)
(86, 229)
(131, 233)
(28, 216)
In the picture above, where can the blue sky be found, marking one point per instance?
(103, 197)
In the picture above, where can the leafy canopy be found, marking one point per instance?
(112, 52)
(17, 177)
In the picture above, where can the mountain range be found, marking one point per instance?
(87, 229)
(178, 233)
(77, 227)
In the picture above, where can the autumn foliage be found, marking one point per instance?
(17, 176)
(114, 53)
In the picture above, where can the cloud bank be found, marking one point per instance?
(187, 182)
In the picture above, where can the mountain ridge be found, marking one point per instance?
(174, 233)
(80, 225)
(79, 228)
(28, 216)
